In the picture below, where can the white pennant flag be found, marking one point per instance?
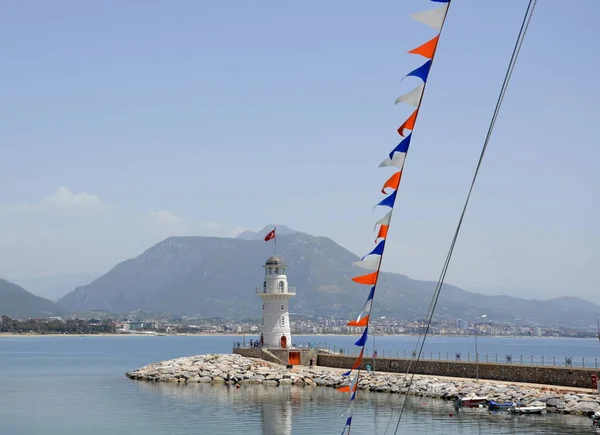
(349, 410)
(433, 18)
(369, 263)
(396, 160)
(354, 383)
(412, 97)
(384, 220)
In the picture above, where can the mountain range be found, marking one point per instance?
(211, 276)
(17, 302)
(54, 287)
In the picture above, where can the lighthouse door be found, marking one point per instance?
(283, 341)
(294, 358)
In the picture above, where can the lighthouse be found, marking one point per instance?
(275, 294)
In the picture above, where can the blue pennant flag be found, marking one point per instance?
(388, 201)
(377, 251)
(363, 339)
(402, 147)
(347, 373)
(371, 293)
(348, 423)
(422, 72)
(441, 1)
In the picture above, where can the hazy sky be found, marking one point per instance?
(124, 122)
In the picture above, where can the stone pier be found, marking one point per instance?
(236, 370)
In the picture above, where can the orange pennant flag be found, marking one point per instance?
(393, 182)
(382, 234)
(409, 124)
(428, 49)
(358, 361)
(347, 389)
(362, 322)
(368, 279)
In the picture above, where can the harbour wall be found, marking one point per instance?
(235, 369)
(248, 352)
(535, 374)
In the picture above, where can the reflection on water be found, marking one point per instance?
(257, 409)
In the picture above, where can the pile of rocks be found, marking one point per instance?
(221, 369)
(236, 369)
(556, 399)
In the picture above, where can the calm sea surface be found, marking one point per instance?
(76, 385)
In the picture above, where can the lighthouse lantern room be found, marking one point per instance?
(275, 294)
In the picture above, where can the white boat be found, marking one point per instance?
(471, 401)
(596, 420)
(527, 409)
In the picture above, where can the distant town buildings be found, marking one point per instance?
(138, 323)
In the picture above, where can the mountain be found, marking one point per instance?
(522, 293)
(56, 286)
(209, 276)
(18, 303)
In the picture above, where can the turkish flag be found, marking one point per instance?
(270, 236)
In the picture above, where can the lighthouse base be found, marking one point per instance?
(280, 356)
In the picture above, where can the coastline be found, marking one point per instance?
(233, 369)
(250, 335)
(11, 335)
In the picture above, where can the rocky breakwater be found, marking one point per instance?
(221, 369)
(555, 399)
(236, 369)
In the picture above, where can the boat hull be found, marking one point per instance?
(472, 402)
(527, 409)
(492, 404)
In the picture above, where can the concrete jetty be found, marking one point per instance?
(234, 369)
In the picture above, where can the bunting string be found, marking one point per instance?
(435, 19)
(421, 342)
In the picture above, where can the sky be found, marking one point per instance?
(123, 123)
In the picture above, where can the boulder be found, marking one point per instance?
(586, 408)
(554, 401)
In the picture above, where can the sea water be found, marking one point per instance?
(76, 385)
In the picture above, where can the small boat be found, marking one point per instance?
(492, 404)
(527, 409)
(470, 401)
(596, 420)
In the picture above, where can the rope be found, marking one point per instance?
(391, 214)
(436, 295)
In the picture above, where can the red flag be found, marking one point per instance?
(270, 236)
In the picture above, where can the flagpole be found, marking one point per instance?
(275, 238)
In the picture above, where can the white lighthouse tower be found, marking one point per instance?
(275, 294)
